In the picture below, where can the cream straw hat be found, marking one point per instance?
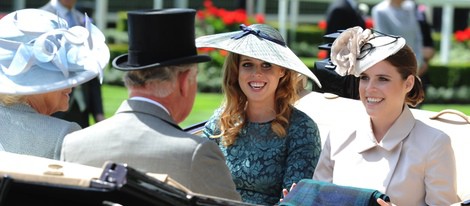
(258, 41)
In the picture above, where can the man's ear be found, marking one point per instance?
(183, 82)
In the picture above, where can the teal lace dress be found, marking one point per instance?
(262, 164)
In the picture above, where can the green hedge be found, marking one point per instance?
(449, 76)
(114, 76)
(443, 95)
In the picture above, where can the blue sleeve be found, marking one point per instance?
(304, 147)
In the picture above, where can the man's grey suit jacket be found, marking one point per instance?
(145, 137)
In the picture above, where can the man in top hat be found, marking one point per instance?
(161, 69)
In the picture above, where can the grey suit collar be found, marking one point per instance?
(136, 106)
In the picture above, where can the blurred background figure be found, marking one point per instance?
(342, 14)
(428, 42)
(460, 21)
(40, 63)
(398, 17)
(85, 99)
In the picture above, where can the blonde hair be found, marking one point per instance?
(233, 116)
(8, 99)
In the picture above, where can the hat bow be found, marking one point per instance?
(247, 30)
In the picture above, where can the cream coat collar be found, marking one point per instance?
(395, 135)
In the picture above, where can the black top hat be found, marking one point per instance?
(160, 38)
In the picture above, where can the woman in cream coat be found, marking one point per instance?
(389, 150)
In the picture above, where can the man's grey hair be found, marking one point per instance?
(160, 81)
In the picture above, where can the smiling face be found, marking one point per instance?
(258, 79)
(382, 90)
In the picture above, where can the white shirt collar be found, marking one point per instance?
(144, 99)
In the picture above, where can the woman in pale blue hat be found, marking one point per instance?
(41, 59)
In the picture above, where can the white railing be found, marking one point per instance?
(446, 26)
(293, 15)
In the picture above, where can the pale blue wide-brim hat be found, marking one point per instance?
(39, 53)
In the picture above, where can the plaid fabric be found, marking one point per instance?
(312, 192)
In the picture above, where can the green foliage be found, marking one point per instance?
(209, 79)
(465, 108)
(310, 34)
(449, 76)
(304, 49)
(113, 76)
(121, 23)
(448, 95)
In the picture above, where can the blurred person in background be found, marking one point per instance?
(398, 17)
(343, 14)
(428, 43)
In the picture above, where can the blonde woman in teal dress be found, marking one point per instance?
(268, 143)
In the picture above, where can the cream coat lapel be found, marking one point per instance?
(372, 164)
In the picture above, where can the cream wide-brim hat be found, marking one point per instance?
(39, 53)
(265, 46)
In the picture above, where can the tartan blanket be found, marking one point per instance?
(311, 192)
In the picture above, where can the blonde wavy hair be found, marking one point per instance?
(8, 99)
(233, 116)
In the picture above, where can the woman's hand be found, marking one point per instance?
(285, 191)
(383, 203)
